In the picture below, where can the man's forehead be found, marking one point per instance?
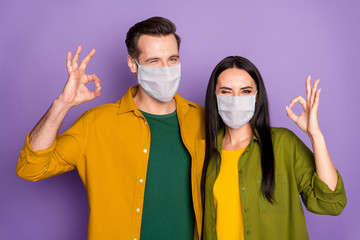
(150, 45)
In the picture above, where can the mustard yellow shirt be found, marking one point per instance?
(229, 217)
(109, 147)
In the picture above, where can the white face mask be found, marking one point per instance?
(236, 111)
(160, 83)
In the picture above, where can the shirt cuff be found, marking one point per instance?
(324, 193)
(37, 157)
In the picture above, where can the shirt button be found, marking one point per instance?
(246, 210)
(138, 209)
(240, 171)
(141, 180)
(248, 232)
(243, 189)
(145, 150)
(145, 122)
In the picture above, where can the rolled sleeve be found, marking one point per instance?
(319, 198)
(324, 193)
(41, 157)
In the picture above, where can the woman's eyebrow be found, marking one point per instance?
(246, 87)
(227, 88)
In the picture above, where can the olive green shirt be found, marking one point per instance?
(294, 175)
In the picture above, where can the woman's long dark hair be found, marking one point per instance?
(260, 121)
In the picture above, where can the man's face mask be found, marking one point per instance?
(236, 111)
(160, 83)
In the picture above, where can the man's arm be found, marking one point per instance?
(74, 93)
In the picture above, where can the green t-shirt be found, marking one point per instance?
(168, 209)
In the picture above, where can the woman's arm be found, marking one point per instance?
(309, 123)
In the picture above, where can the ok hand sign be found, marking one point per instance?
(308, 119)
(75, 92)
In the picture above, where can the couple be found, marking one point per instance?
(156, 166)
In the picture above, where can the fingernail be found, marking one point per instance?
(309, 76)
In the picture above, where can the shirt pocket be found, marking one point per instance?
(281, 194)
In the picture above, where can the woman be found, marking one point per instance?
(253, 173)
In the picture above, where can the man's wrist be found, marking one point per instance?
(60, 107)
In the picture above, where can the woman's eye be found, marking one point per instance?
(247, 91)
(225, 92)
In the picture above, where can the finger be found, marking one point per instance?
(76, 57)
(93, 78)
(95, 93)
(313, 92)
(308, 88)
(68, 62)
(291, 114)
(317, 100)
(300, 100)
(86, 60)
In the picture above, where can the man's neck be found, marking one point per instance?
(148, 104)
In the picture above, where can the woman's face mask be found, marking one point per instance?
(236, 111)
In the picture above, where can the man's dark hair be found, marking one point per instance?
(155, 26)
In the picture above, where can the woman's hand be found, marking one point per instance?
(308, 119)
(75, 92)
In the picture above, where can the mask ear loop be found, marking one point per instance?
(137, 62)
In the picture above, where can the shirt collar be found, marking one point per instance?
(127, 104)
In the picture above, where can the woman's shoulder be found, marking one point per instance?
(282, 134)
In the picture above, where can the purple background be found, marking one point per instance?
(287, 40)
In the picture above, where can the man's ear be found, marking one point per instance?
(132, 64)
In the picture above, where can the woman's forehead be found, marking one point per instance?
(235, 77)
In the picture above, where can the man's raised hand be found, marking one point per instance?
(75, 92)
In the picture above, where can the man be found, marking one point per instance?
(134, 156)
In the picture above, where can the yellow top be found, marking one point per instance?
(229, 218)
(109, 146)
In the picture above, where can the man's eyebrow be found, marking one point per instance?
(151, 59)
